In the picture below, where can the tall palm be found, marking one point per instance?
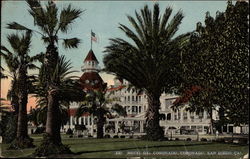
(23, 61)
(49, 25)
(70, 90)
(150, 60)
(96, 103)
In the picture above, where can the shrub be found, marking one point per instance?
(107, 136)
(115, 136)
(177, 139)
(203, 139)
(80, 135)
(189, 139)
(71, 136)
(122, 136)
(39, 130)
(90, 136)
(69, 131)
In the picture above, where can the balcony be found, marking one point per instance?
(133, 102)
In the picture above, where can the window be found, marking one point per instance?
(200, 115)
(139, 109)
(82, 121)
(169, 116)
(128, 98)
(185, 115)
(199, 128)
(133, 98)
(192, 115)
(86, 120)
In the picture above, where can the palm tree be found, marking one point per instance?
(70, 90)
(151, 61)
(96, 103)
(20, 46)
(50, 24)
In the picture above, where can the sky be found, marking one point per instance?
(103, 18)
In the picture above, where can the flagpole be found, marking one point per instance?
(91, 39)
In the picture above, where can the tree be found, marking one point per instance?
(22, 61)
(69, 87)
(50, 24)
(151, 61)
(216, 60)
(96, 103)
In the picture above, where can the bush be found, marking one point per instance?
(90, 136)
(177, 139)
(188, 139)
(39, 130)
(107, 136)
(8, 127)
(115, 136)
(71, 136)
(80, 136)
(69, 131)
(203, 139)
(122, 136)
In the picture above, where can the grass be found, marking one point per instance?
(121, 148)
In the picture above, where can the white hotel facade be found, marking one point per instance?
(136, 107)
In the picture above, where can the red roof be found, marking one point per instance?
(92, 80)
(72, 112)
(116, 88)
(91, 56)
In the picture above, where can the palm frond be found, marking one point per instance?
(16, 26)
(38, 13)
(67, 17)
(51, 15)
(71, 43)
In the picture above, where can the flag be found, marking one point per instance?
(93, 36)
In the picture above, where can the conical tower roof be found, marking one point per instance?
(91, 56)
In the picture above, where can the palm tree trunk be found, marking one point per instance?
(22, 138)
(153, 129)
(50, 61)
(53, 116)
(51, 143)
(100, 124)
(14, 103)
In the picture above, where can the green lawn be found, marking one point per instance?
(120, 148)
